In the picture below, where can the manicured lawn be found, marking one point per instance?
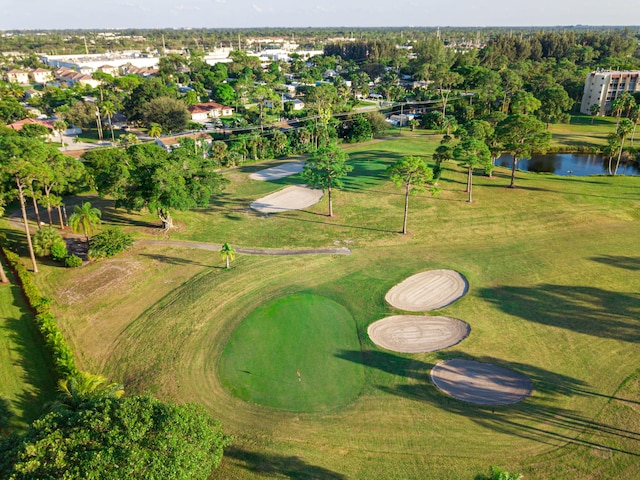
(285, 354)
(26, 382)
(553, 293)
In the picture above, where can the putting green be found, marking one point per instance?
(285, 355)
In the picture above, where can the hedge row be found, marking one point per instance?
(64, 363)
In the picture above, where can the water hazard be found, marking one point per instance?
(566, 164)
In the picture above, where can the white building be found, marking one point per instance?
(88, 64)
(604, 87)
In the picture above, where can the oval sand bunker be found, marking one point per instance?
(428, 291)
(295, 197)
(276, 173)
(480, 383)
(417, 334)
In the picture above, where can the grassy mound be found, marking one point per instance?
(283, 355)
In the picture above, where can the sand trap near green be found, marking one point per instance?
(429, 290)
(417, 333)
(276, 173)
(285, 355)
(480, 383)
(295, 197)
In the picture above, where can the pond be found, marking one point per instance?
(576, 164)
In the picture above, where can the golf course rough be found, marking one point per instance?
(417, 333)
(429, 290)
(285, 355)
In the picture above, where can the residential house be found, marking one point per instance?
(71, 77)
(111, 70)
(294, 104)
(203, 112)
(41, 75)
(169, 143)
(17, 76)
(54, 135)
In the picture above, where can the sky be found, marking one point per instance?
(112, 14)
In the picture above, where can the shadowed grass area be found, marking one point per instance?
(26, 380)
(283, 355)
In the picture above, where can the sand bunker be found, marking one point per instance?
(291, 198)
(480, 383)
(281, 171)
(417, 334)
(428, 291)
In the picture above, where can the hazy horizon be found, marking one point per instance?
(232, 14)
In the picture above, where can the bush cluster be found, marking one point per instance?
(63, 360)
(109, 243)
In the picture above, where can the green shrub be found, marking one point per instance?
(59, 252)
(109, 243)
(63, 360)
(44, 240)
(73, 261)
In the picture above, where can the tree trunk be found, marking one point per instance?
(513, 172)
(406, 210)
(3, 276)
(610, 160)
(35, 210)
(165, 218)
(26, 225)
(60, 217)
(330, 202)
(227, 259)
(470, 183)
(615, 172)
(64, 212)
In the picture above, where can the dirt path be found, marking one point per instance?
(248, 251)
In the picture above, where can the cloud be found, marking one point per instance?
(185, 8)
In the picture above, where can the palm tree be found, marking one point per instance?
(85, 218)
(108, 109)
(60, 126)
(594, 111)
(634, 116)
(83, 388)
(622, 131)
(616, 108)
(155, 130)
(227, 253)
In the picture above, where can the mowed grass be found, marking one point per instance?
(26, 380)
(553, 294)
(285, 355)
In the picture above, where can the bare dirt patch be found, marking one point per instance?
(295, 197)
(428, 291)
(417, 334)
(480, 383)
(276, 173)
(107, 277)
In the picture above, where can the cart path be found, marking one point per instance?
(248, 251)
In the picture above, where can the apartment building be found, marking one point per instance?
(603, 87)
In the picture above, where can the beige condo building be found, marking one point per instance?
(603, 87)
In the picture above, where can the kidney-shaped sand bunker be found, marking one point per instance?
(480, 383)
(428, 291)
(416, 333)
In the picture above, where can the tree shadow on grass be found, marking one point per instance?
(588, 310)
(173, 260)
(31, 355)
(284, 216)
(531, 419)
(271, 465)
(619, 261)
